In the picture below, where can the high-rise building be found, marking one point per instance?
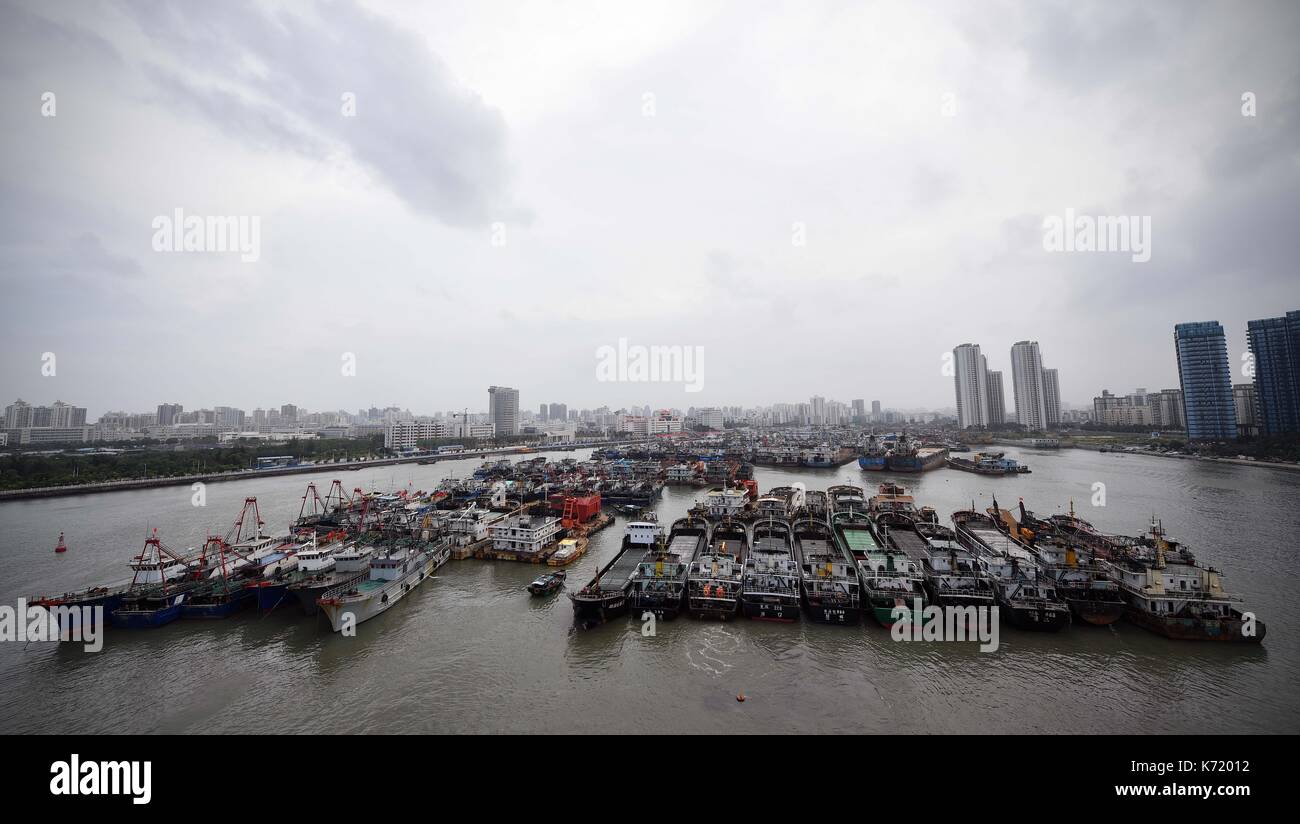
(859, 410)
(1027, 384)
(997, 397)
(969, 376)
(1206, 379)
(288, 413)
(1275, 345)
(503, 409)
(875, 411)
(1051, 398)
(18, 415)
(1245, 405)
(168, 413)
(558, 412)
(541, 411)
(1167, 408)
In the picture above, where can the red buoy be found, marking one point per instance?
(62, 547)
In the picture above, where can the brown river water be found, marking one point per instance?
(471, 651)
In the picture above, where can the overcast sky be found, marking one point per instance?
(654, 166)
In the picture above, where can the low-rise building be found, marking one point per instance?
(525, 534)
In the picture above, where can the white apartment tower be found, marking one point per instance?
(1027, 383)
(1051, 398)
(971, 377)
(503, 409)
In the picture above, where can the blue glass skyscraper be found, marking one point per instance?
(1275, 343)
(1206, 378)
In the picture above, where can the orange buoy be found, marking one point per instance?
(62, 547)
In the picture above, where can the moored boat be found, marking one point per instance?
(658, 584)
(952, 573)
(716, 575)
(394, 573)
(829, 586)
(606, 595)
(1170, 593)
(770, 588)
(547, 583)
(1026, 596)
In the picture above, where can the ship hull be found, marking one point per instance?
(591, 611)
(124, 618)
(1196, 629)
(1093, 612)
(871, 464)
(364, 607)
(662, 610)
(224, 607)
(771, 608)
(714, 609)
(270, 596)
(833, 614)
(72, 617)
(1037, 617)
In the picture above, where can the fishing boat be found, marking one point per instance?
(1170, 593)
(1084, 584)
(909, 456)
(70, 606)
(892, 498)
(829, 586)
(393, 573)
(873, 455)
(606, 595)
(336, 562)
(153, 606)
(1024, 593)
(953, 577)
(160, 581)
(770, 587)
(846, 498)
(716, 575)
(547, 583)
(987, 463)
(658, 583)
(893, 586)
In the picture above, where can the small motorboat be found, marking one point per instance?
(548, 583)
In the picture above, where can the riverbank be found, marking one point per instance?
(299, 469)
(1208, 458)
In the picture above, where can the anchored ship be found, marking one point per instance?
(716, 573)
(1168, 592)
(1086, 586)
(828, 578)
(658, 583)
(909, 456)
(873, 456)
(771, 582)
(393, 573)
(332, 564)
(952, 572)
(1025, 594)
(606, 596)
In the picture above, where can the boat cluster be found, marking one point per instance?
(838, 556)
(349, 556)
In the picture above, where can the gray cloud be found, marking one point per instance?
(277, 78)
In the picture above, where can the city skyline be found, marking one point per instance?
(420, 197)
